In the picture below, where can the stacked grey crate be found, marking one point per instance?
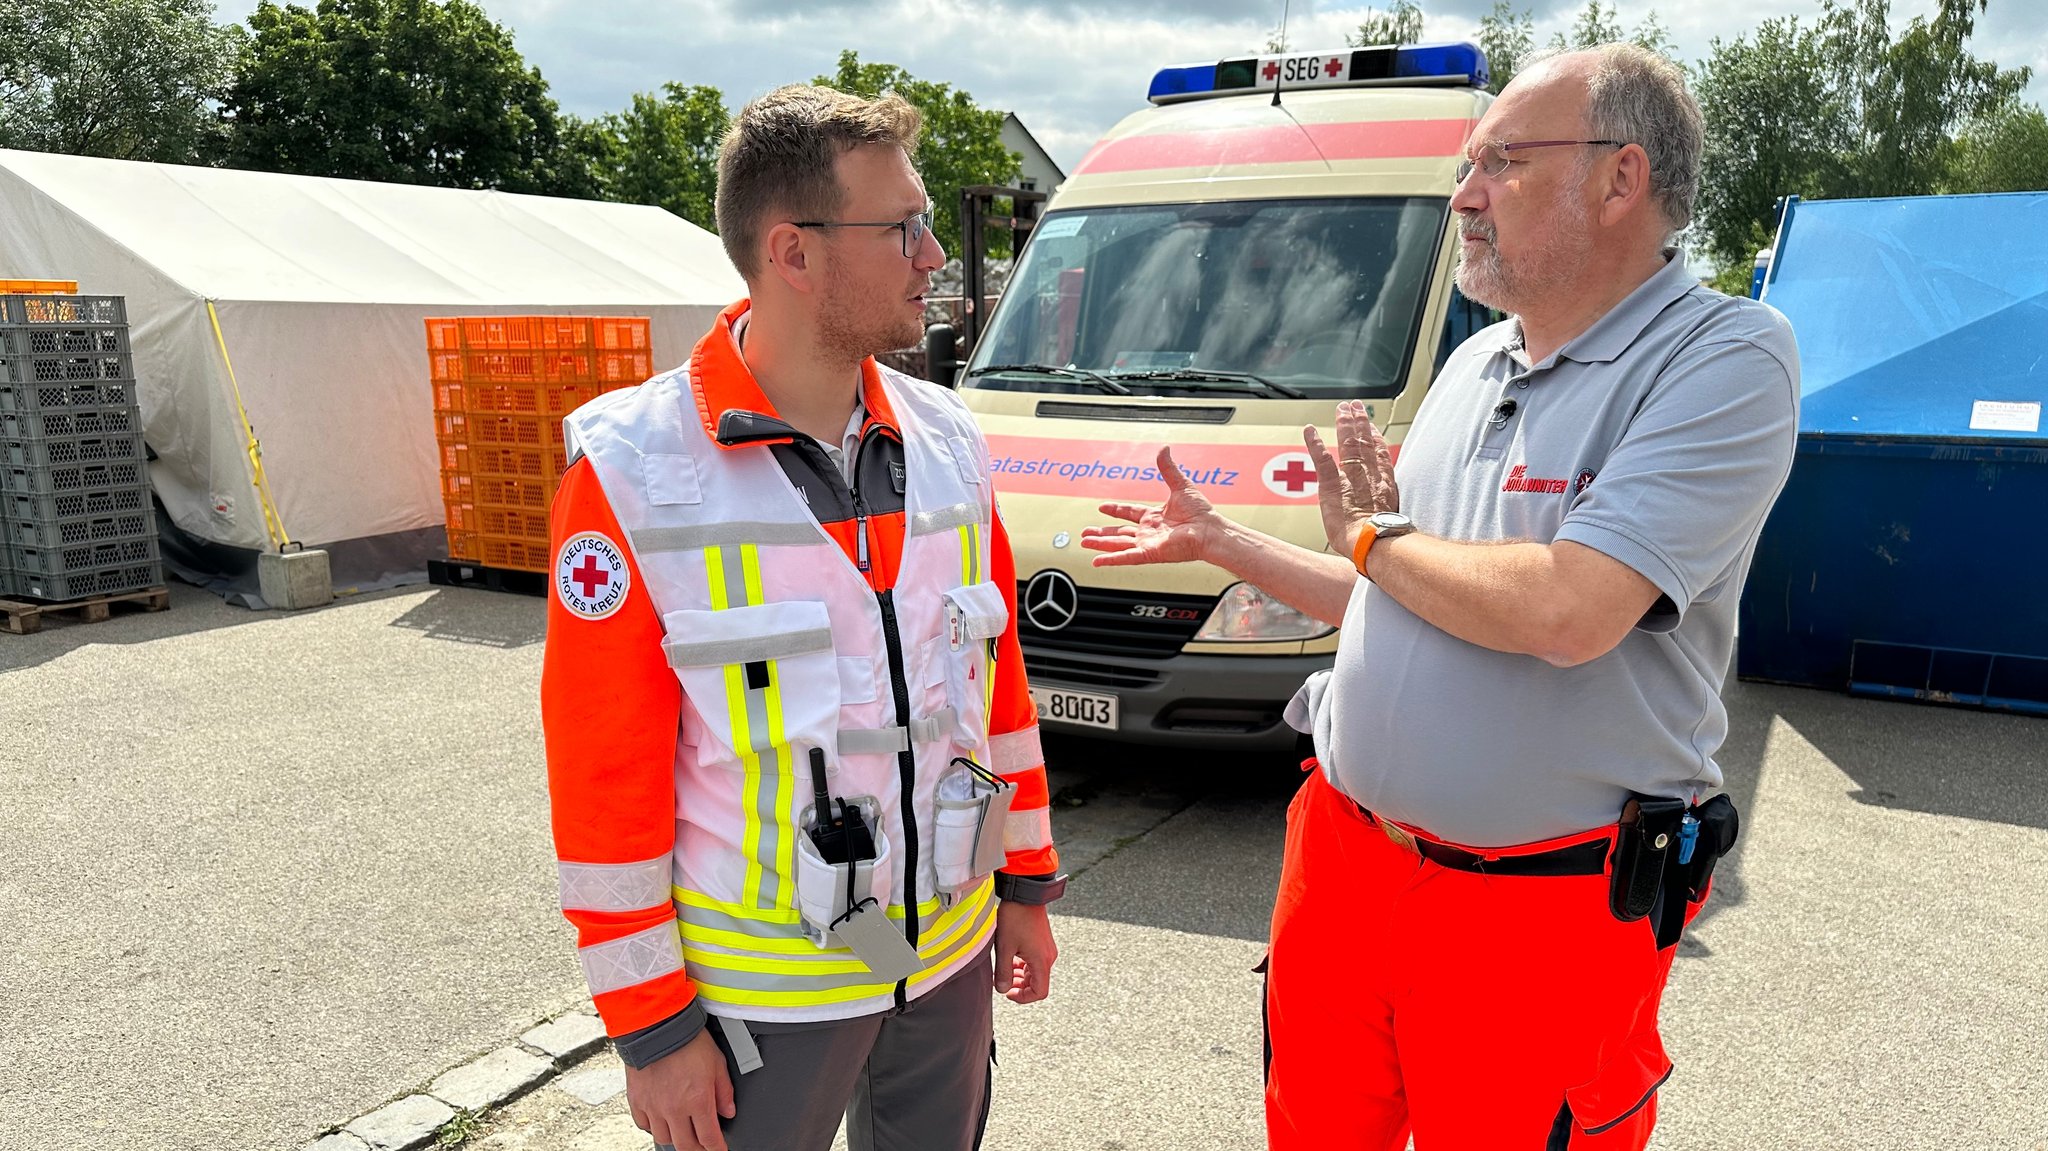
(75, 514)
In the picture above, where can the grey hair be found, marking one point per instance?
(1640, 97)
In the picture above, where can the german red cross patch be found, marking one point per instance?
(591, 576)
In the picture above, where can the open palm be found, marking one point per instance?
(1172, 532)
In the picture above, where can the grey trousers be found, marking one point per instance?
(910, 1079)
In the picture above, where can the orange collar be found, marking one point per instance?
(721, 382)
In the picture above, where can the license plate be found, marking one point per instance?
(1080, 708)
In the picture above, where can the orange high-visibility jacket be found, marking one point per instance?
(723, 603)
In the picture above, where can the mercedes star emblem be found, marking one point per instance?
(1061, 539)
(1051, 600)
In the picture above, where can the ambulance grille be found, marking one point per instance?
(1146, 625)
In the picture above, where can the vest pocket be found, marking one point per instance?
(760, 676)
(975, 616)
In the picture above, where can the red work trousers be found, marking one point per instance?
(1477, 1012)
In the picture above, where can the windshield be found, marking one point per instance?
(1271, 297)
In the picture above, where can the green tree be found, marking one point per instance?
(1844, 108)
(1774, 125)
(1506, 36)
(2006, 151)
(665, 150)
(961, 144)
(411, 91)
(1401, 23)
(1599, 23)
(128, 79)
(1906, 98)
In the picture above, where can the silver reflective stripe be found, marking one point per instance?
(934, 727)
(679, 539)
(737, 1037)
(1015, 751)
(944, 519)
(872, 740)
(711, 653)
(1028, 829)
(615, 886)
(632, 959)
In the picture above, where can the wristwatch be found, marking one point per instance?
(1378, 526)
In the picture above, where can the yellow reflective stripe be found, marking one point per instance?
(747, 997)
(785, 846)
(949, 928)
(966, 556)
(896, 910)
(736, 910)
(723, 938)
(768, 966)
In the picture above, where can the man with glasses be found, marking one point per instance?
(799, 802)
(1485, 881)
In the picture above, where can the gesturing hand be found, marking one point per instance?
(1176, 531)
(1355, 483)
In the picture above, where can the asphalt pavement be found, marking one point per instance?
(265, 873)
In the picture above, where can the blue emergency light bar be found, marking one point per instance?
(1453, 63)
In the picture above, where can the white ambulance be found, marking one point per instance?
(1272, 236)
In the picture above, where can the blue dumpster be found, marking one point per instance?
(1906, 556)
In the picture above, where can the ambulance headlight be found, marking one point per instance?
(1248, 615)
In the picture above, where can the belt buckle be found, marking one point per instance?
(1399, 835)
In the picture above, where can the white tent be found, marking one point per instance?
(321, 287)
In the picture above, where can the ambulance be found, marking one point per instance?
(1272, 235)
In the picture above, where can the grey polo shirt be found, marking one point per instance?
(1659, 436)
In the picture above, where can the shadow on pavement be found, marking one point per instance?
(1941, 760)
(193, 610)
(482, 618)
(1209, 865)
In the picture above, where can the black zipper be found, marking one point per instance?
(906, 760)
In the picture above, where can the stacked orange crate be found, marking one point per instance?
(501, 387)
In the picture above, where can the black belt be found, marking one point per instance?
(1588, 858)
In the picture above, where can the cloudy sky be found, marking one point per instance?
(1068, 68)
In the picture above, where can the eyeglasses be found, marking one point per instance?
(1492, 159)
(914, 228)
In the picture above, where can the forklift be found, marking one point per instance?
(946, 347)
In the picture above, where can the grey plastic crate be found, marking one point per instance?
(66, 367)
(54, 310)
(81, 478)
(16, 397)
(111, 421)
(81, 584)
(81, 339)
(52, 533)
(69, 505)
(82, 557)
(61, 451)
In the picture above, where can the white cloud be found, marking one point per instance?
(1069, 69)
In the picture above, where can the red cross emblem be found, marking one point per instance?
(591, 576)
(588, 577)
(1271, 70)
(1296, 475)
(1333, 67)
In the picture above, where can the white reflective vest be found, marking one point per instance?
(781, 646)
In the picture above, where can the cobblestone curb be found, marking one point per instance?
(490, 1080)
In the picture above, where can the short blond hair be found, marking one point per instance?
(779, 157)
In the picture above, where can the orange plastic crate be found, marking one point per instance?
(513, 555)
(40, 287)
(511, 523)
(445, 366)
(517, 431)
(463, 546)
(611, 333)
(515, 463)
(444, 334)
(460, 488)
(617, 369)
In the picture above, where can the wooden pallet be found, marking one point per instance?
(26, 618)
(462, 573)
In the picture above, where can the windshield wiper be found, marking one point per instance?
(1242, 381)
(1096, 378)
